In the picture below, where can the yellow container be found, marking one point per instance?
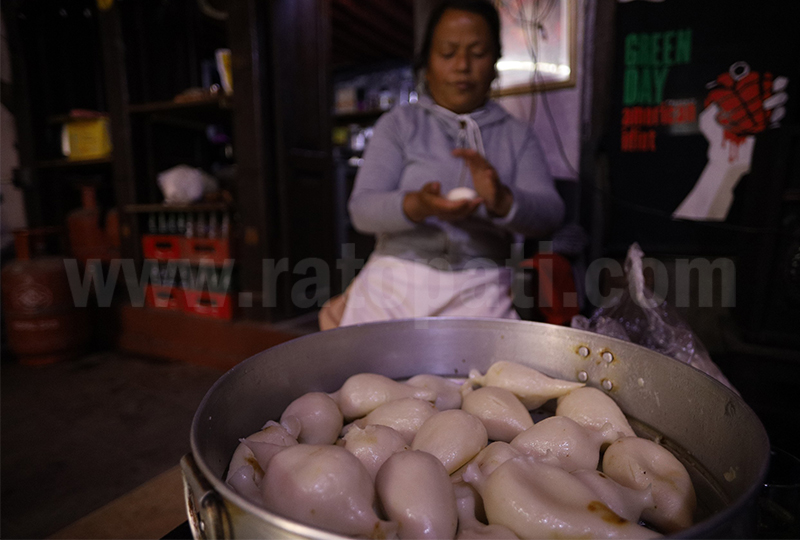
(86, 138)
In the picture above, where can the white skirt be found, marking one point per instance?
(392, 288)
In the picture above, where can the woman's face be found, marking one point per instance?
(461, 63)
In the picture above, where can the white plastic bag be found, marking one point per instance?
(183, 184)
(640, 317)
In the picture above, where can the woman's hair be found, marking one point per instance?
(484, 8)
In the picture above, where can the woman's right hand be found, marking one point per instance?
(427, 202)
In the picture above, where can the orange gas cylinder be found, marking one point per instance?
(42, 322)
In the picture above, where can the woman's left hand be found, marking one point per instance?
(496, 195)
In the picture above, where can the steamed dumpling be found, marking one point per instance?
(529, 385)
(364, 392)
(319, 418)
(453, 436)
(488, 459)
(405, 416)
(323, 486)
(624, 501)
(593, 409)
(252, 456)
(562, 442)
(639, 463)
(416, 492)
(373, 445)
(243, 481)
(536, 500)
(469, 526)
(448, 393)
(503, 415)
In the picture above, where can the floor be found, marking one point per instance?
(78, 435)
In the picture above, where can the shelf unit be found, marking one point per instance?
(57, 67)
(279, 172)
(130, 59)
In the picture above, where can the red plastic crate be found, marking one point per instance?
(208, 304)
(215, 250)
(160, 296)
(161, 246)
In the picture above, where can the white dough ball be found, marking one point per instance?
(461, 193)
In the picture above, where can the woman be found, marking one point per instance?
(436, 256)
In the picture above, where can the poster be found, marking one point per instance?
(539, 41)
(696, 86)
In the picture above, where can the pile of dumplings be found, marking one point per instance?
(432, 458)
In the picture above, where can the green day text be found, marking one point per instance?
(648, 59)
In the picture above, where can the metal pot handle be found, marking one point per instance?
(208, 517)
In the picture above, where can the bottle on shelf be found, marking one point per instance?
(213, 227)
(202, 225)
(190, 225)
(225, 225)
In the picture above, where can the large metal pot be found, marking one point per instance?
(709, 427)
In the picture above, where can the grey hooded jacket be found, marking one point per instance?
(412, 146)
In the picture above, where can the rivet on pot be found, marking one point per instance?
(608, 357)
(583, 351)
(583, 376)
(607, 384)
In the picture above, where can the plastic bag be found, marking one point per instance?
(640, 317)
(184, 184)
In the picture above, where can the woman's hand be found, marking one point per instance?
(428, 202)
(496, 196)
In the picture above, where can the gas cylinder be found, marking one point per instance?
(42, 322)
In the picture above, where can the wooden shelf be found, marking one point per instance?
(214, 101)
(64, 118)
(160, 207)
(64, 163)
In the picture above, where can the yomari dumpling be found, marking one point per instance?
(640, 463)
(453, 436)
(323, 486)
(252, 456)
(562, 442)
(532, 387)
(469, 526)
(593, 409)
(416, 493)
(364, 392)
(503, 415)
(448, 393)
(405, 416)
(624, 501)
(488, 459)
(318, 418)
(536, 500)
(373, 445)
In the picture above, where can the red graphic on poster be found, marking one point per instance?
(740, 104)
(740, 94)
